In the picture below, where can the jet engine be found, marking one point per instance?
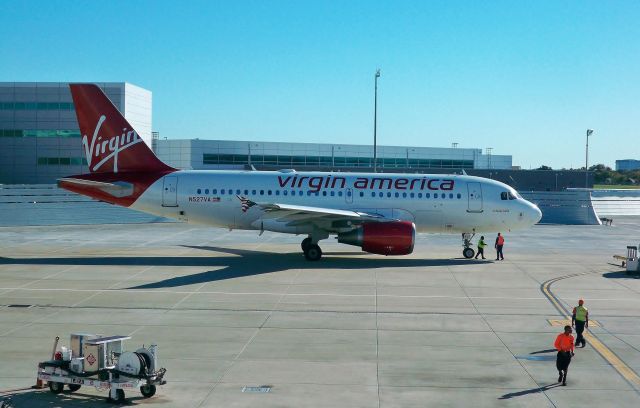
(384, 238)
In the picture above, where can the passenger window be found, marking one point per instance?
(389, 195)
(373, 194)
(381, 194)
(504, 195)
(419, 195)
(253, 192)
(404, 195)
(427, 195)
(412, 195)
(199, 192)
(285, 192)
(333, 193)
(238, 192)
(261, 192)
(246, 192)
(206, 191)
(450, 195)
(278, 192)
(397, 194)
(269, 192)
(361, 194)
(300, 192)
(459, 195)
(339, 193)
(435, 195)
(230, 191)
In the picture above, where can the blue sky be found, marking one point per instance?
(524, 77)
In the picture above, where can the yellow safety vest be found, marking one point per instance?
(581, 313)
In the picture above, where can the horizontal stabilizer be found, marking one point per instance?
(115, 189)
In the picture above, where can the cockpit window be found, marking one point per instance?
(508, 195)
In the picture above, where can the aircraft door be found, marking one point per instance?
(170, 191)
(475, 197)
(348, 195)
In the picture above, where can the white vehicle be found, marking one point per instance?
(376, 211)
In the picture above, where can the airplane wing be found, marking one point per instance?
(325, 218)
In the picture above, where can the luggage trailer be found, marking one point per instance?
(99, 362)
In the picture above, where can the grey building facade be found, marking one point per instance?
(225, 154)
(39, 136)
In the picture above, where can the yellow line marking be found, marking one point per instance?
(565, 322)
(620, 366)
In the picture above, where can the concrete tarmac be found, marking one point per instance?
(231, 310)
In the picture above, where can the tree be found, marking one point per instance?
(543, 167)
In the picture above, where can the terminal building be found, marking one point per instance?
(39, 136)
(225, 154)
(627, 164)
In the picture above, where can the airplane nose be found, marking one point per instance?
(535, 215)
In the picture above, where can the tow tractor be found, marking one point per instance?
(100, 362)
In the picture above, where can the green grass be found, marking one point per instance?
(615, 186)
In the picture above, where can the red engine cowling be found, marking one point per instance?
(384, 238)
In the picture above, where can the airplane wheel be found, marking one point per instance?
(313, 252)
(468, 253)
(119, 395)
(305, 244)
(56, 387)
(148, 390)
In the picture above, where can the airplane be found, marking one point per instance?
(378, 212)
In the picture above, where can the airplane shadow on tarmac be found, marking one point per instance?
(238, 263)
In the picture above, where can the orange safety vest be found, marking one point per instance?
(564, 342)
(500, 240)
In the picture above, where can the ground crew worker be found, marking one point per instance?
(499, 244)
(580, 320)
(481, 245)
(564, 345)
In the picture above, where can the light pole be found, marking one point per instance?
(375, 123)
(586, 160)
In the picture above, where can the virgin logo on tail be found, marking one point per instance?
(110, 145)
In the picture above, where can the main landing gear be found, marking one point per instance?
(468, 252)
(309, 245)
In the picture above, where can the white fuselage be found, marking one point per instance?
(434, 202)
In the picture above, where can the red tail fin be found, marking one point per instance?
(110, 143)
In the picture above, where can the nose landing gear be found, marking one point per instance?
(468, 252)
